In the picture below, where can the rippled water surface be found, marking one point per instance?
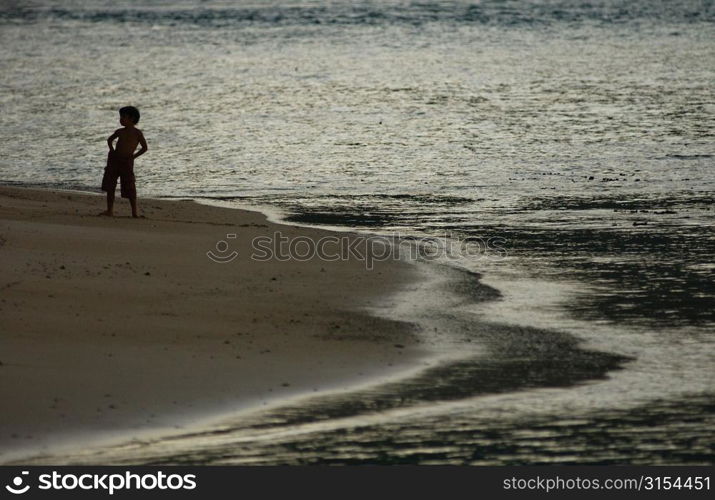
(579, 132)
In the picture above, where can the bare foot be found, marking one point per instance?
(106, 213)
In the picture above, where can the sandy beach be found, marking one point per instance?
(117, 326)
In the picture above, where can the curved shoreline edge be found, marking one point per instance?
(118, 328)
(498, 358)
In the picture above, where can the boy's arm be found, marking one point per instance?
(110, 140)
(142, 143)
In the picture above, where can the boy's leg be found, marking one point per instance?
(109, 184)
(110, 204)
(133, 202)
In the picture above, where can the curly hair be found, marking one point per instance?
(131, 112)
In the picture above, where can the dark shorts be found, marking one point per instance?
(119, 167)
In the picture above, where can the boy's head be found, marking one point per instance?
(129, 112)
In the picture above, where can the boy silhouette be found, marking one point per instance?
(120, 160)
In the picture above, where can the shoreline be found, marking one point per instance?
(438, 340)
(172, 354)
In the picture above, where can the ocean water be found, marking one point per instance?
(581, 133)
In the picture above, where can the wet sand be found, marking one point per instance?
(120, 326)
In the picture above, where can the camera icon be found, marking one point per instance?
(16, 487)
(223, 256)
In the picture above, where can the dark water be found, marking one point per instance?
(664, 432)
(502, 13)
(580, 133)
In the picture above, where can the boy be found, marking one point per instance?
(120, 161)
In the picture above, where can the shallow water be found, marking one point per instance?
(663, 432)
(579, 132)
